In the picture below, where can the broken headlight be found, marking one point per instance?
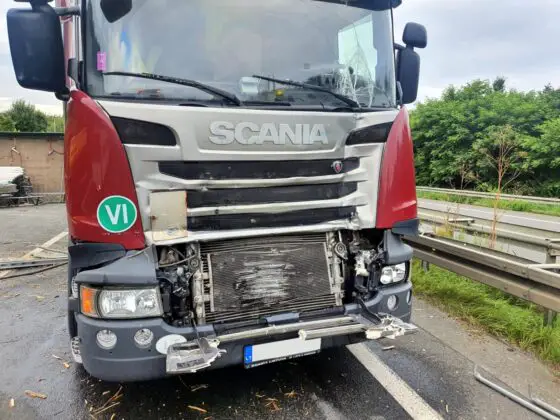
(394, 274)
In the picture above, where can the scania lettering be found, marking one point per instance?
(239, 176)
(225, 132)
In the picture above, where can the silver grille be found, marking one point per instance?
(246, 279)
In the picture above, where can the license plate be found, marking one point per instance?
(261, 354)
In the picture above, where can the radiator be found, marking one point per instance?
(246, 279)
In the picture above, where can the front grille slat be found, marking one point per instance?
(261, 220)
(274, 169)
(289, 194)
(234, 244)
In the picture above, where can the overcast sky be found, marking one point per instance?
(467, 39)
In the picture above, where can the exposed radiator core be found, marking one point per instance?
(246, 279)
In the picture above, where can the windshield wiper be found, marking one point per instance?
(184, 82)
(343, 98)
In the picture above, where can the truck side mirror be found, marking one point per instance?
(408, 61)
(114, 10)
(415, 35)
(35, 37)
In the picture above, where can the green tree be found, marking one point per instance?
(27, 118)
(453, 133)
(55, 124)
(499, 84)
(547, 149)
(544, 157)
(502, 157)
(6, 123)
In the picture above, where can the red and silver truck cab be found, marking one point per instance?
(239, 176)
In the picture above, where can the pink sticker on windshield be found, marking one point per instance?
(101, 61)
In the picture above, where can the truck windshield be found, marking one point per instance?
(223, 44)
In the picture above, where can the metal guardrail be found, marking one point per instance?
(470, 193)
(538, 249)
(537, 283)
(523, 261)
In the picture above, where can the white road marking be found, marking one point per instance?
(37, 251)
(407, 398)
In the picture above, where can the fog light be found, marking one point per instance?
(143, 338)
(106, 339)
(392, 303)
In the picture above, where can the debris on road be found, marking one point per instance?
(64, 362)
(195, 408)
(291, 394)
(514, 397)
(273, 404)
(33, 394)
(195, 388)
(103, 409)
(388, 348)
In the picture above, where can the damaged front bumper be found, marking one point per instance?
(188, 350)
(190, 357)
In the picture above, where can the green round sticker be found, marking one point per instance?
(116, 214)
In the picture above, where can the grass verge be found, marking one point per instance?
(516, 205)
(518, 321)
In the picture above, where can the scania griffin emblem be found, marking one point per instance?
(337, 166)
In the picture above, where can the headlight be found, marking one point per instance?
(393, 274)
(118, 303)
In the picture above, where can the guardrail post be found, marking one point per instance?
(550, 317)
(552, 257)
(425, 266)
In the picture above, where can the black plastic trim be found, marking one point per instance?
(290, 194)
(134, 269)
(275, 169)
(407, 227)
(85, 255)
(373, 134)
(394, 249)
(259, 220)
(143, 132)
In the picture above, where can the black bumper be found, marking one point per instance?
(126, 362)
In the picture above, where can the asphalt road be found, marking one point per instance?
(434, 367)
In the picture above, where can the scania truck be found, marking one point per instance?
(239, 176)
